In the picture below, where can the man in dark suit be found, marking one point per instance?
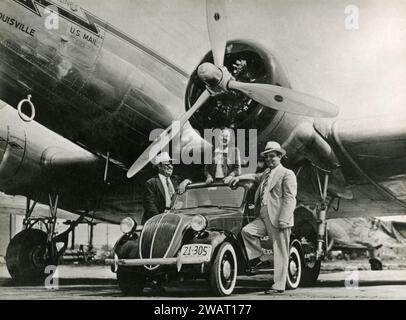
(160, 189)
(226, 161)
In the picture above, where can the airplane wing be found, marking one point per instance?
(372, 154)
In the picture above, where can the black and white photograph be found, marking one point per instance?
(220, 151)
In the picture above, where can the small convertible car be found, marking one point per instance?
(199, 237)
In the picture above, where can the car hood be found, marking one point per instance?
(229, 219)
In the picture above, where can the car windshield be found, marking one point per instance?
(220, 196)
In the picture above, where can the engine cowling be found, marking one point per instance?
(30, 153)
(247, 62)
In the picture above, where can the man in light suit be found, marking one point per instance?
(275, 202)
(159, 190)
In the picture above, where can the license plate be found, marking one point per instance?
(196, 252)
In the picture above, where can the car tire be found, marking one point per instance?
(130, 283)
(223, 273)
(310, 274)
(25, 257)
(295, 266)
(376, 264)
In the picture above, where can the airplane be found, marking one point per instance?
(82, 86)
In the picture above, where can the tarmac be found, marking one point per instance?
(76, 282)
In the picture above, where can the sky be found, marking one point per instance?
(361, 70)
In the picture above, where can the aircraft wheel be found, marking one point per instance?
(25, 256)
(295, 266)
(130, 283)
(375, 264)
(223, 273)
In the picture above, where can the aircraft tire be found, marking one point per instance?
(25, 256)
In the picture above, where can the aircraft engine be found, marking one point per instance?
(247, 62)
(30, 153)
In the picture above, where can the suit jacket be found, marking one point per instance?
(281, 202)
(154, 196)
(231, 164)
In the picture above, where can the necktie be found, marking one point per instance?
(170, 188)
(263, 188)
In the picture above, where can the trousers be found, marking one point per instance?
(259, 228)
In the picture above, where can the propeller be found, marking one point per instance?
(217, 29)
(216, 24)
(275, 97)
(165, 137)
(285, 99)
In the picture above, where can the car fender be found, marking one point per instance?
(127, 247)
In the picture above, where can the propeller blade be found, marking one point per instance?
(285, 99)
(217, 28)
(165, 137)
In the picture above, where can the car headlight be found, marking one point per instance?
(198, 223)
(127, 225)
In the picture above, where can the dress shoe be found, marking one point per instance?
(277, 290)
(270, 291)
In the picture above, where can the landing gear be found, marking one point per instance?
(310, 230)
(26, 259)
(31, 250)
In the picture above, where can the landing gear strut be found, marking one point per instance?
(314, 251)
(32, 249)
(322, 214)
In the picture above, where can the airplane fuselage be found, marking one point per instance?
(99, 88)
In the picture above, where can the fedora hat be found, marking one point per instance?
(162, 157)
(273, 146)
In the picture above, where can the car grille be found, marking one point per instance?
(160, 237)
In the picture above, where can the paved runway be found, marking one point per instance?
(97, 282)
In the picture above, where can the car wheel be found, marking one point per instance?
(223, 273)
(130, 283)
(310, 274)
(295, 266)
(25, 256)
